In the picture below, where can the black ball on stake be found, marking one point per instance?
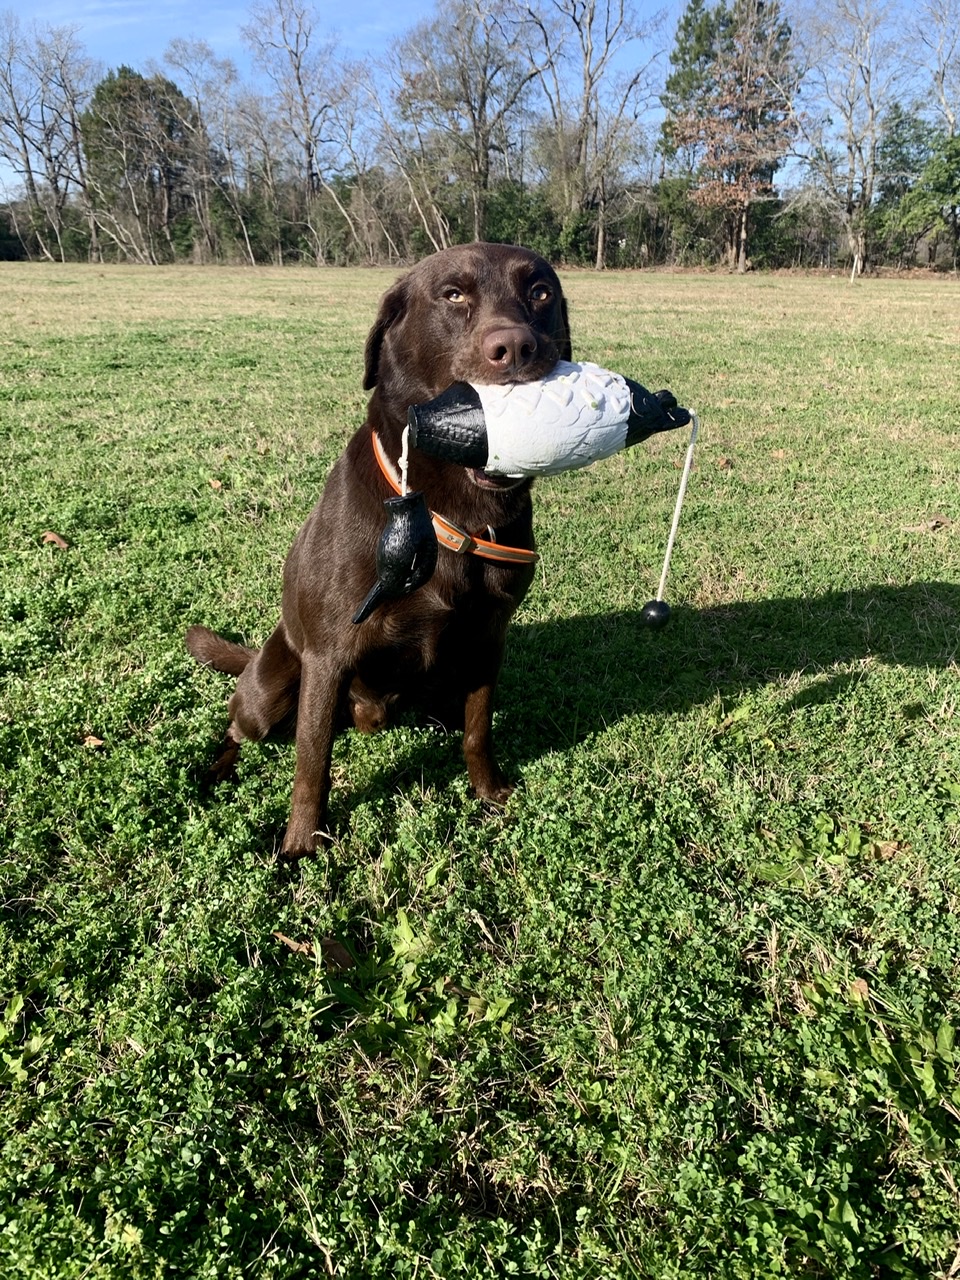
(655, 614)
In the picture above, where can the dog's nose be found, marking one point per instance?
(510, 348)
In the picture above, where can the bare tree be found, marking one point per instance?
(255, 158)
(576, 46)
(69, 76)
(461, 78)
(935, 45)
(282, 37)
(354, 131)
(853, 51)
(206, 83)
(45, 82)
(21, 128)
(406, 148)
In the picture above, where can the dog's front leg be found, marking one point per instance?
(322, 686)
(485, 777)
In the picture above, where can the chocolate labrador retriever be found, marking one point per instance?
(478, 313)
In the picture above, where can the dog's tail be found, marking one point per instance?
(214, 651)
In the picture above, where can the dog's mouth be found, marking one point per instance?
(467, 367)
(532, 373)
(486, 480)
(535, 371)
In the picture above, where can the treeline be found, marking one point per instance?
(752, 134)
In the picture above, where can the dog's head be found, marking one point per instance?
(481, 313)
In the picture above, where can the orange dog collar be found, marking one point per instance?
(449, 534)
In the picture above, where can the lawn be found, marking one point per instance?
(685, 1008)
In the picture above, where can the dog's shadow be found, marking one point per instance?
(567, 679)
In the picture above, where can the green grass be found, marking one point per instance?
(685, 1009)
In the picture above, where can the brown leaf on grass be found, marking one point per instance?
(477, 1005)
(450, 988)
(725, 463)
(779, 454)
(301, 948)
(55, 538)
(92, 741)
(216, 485)
(859, 991)
(333, 953)
(888, 848)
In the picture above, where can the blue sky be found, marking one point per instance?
(137, 32)
(134, 31)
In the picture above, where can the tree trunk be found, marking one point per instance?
(742, 241)
(478, 211)
(600, 263)
(858, 249)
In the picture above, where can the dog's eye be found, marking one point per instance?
(540, 293)
(455, 295)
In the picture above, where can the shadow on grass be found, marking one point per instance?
(568, 678)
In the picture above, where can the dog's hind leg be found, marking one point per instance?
(267, 688)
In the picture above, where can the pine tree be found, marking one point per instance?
(739, 121)
(932, 206)
(702, 33)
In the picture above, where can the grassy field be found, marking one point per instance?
(686, 1008)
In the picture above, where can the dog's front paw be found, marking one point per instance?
(494, 790)
(293, 853)
(302, 844)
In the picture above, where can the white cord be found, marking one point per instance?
(404, 461)
(688, 463)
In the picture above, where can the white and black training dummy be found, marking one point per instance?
(569, 419)
(574, 416)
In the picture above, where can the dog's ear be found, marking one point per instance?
(392, 306)
(564, 345)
